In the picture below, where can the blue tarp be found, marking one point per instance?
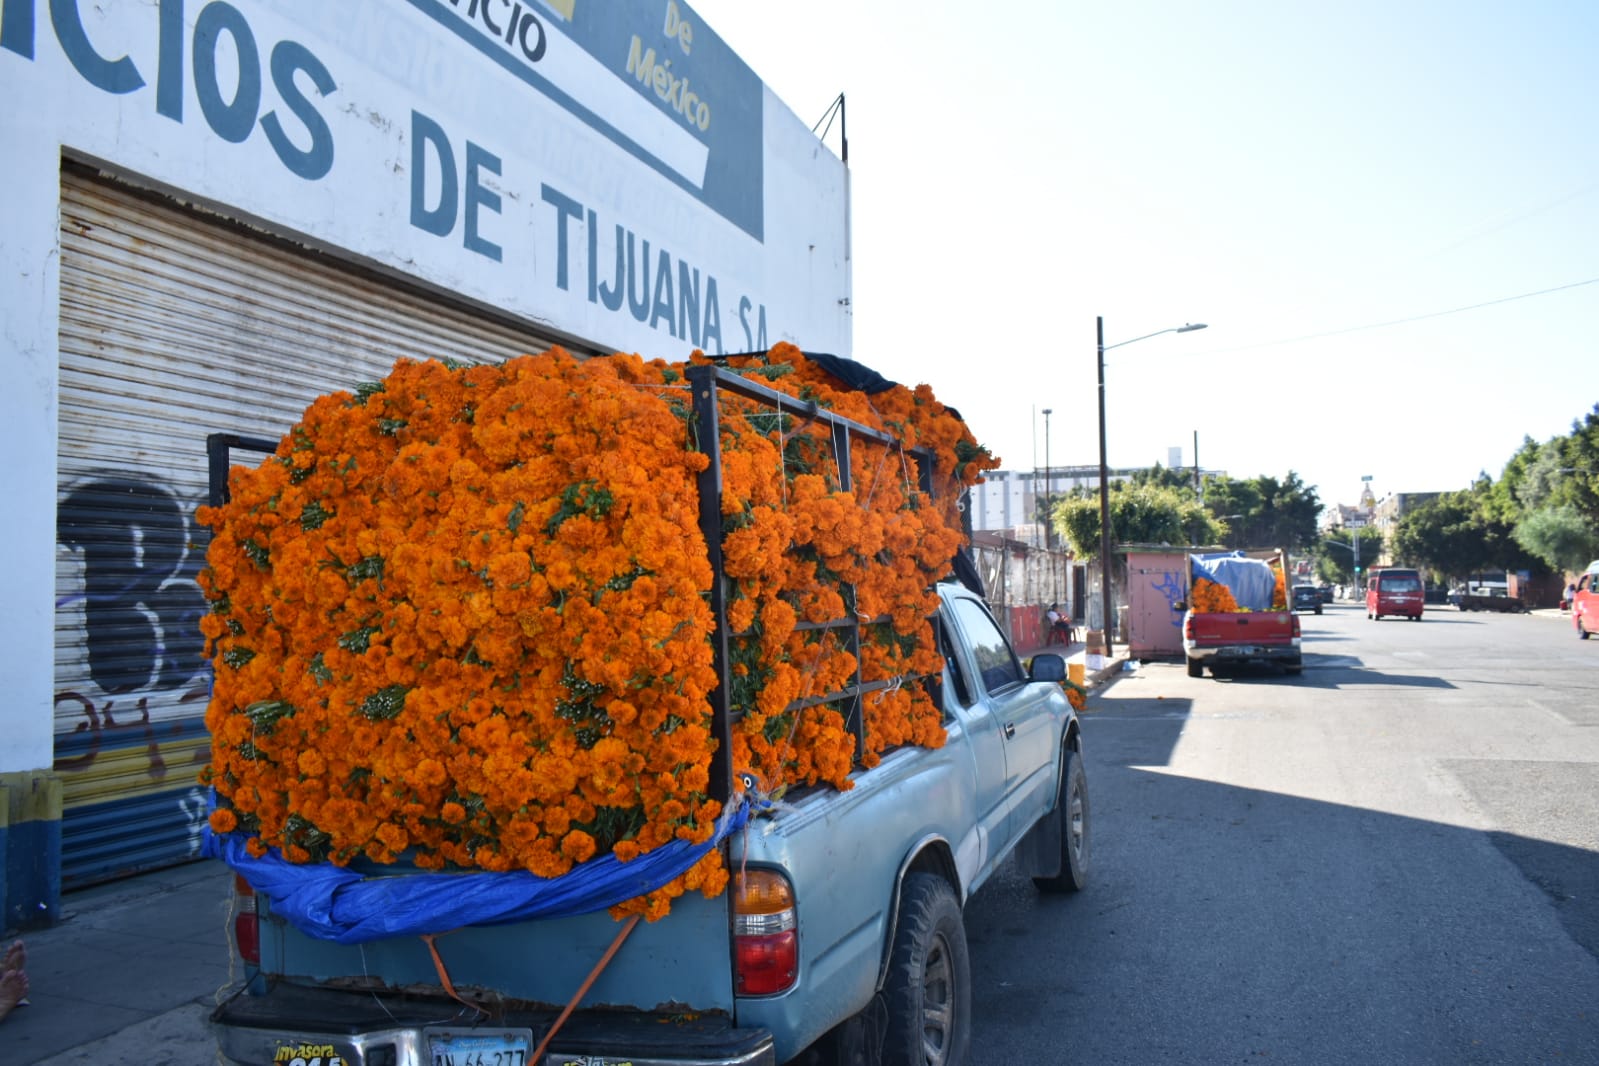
(335, 903)
(1251, 581)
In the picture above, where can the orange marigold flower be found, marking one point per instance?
(490, 582)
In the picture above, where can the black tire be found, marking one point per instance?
(1582, 634)
(1074, 835)
(1318, 610)
(928, 990)
(1196, 668)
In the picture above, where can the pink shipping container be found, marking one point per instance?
(1157, 581)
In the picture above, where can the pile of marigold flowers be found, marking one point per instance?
(1212, 597)
(461, 616)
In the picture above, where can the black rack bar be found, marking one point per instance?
(706, 383)
(218, 461)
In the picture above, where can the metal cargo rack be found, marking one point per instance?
(708, 382)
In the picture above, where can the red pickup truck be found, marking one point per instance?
(1238, 612)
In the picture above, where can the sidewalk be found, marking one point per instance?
(129, 974)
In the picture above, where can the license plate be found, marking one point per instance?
(480, 1047)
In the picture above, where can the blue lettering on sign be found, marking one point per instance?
(308, 153)
(288, 58)
(755, 342)
(663, 293)
(429, 143)
(716, 156)
(232, 120)
(112, 75)
(477, 159)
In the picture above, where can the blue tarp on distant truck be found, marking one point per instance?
(1252, 582)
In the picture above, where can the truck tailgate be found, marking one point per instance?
(678, 964)
(1262, 628)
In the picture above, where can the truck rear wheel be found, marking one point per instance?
(928, 990)
(1196, 668)
(1074, 850)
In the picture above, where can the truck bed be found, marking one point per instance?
(1231, 638)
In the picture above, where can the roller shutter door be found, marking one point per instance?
(176, 324)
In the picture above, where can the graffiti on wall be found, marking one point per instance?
(140, 608)
(1171, 587)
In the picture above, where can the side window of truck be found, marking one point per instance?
(995, 660)
(957, 669)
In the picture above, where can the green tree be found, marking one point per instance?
(1264, 512)
(1335, 555)
(1559, 536)
(1139, 514)
(1163, 477)
(1501, 500)
(1445, 535)
(1580, 455)
(1463, 533)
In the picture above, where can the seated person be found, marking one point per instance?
(1060, 626)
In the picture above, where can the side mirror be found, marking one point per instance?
(1048, 667)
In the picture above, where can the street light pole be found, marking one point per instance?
(1104, 506)
(1106, 619)
(1049, 484)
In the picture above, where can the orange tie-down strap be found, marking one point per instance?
(583, 989)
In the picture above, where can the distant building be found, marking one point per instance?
(1382, 516)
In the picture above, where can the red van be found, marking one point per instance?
(1585, 602)
(1395, 590)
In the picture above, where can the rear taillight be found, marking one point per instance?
(1295, 617)
(765, 934)
(246, 923)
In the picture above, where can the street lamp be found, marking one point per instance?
(1104, 475)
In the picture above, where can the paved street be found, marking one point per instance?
(1392, 858)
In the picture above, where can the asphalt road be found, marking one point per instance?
(1393, 858)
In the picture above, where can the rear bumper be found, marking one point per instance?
(1244, 653)
(387, 1029)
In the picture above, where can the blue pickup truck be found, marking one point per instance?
(840, 938)
(843, 935)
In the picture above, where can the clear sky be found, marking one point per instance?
(1325, 185)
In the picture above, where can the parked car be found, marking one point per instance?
(1307, 598)
(1585, 603)
(1394, 590)
(1327, 593)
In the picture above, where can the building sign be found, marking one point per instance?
(602, 168)
(655, 82)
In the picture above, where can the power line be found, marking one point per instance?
(1412, 318)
